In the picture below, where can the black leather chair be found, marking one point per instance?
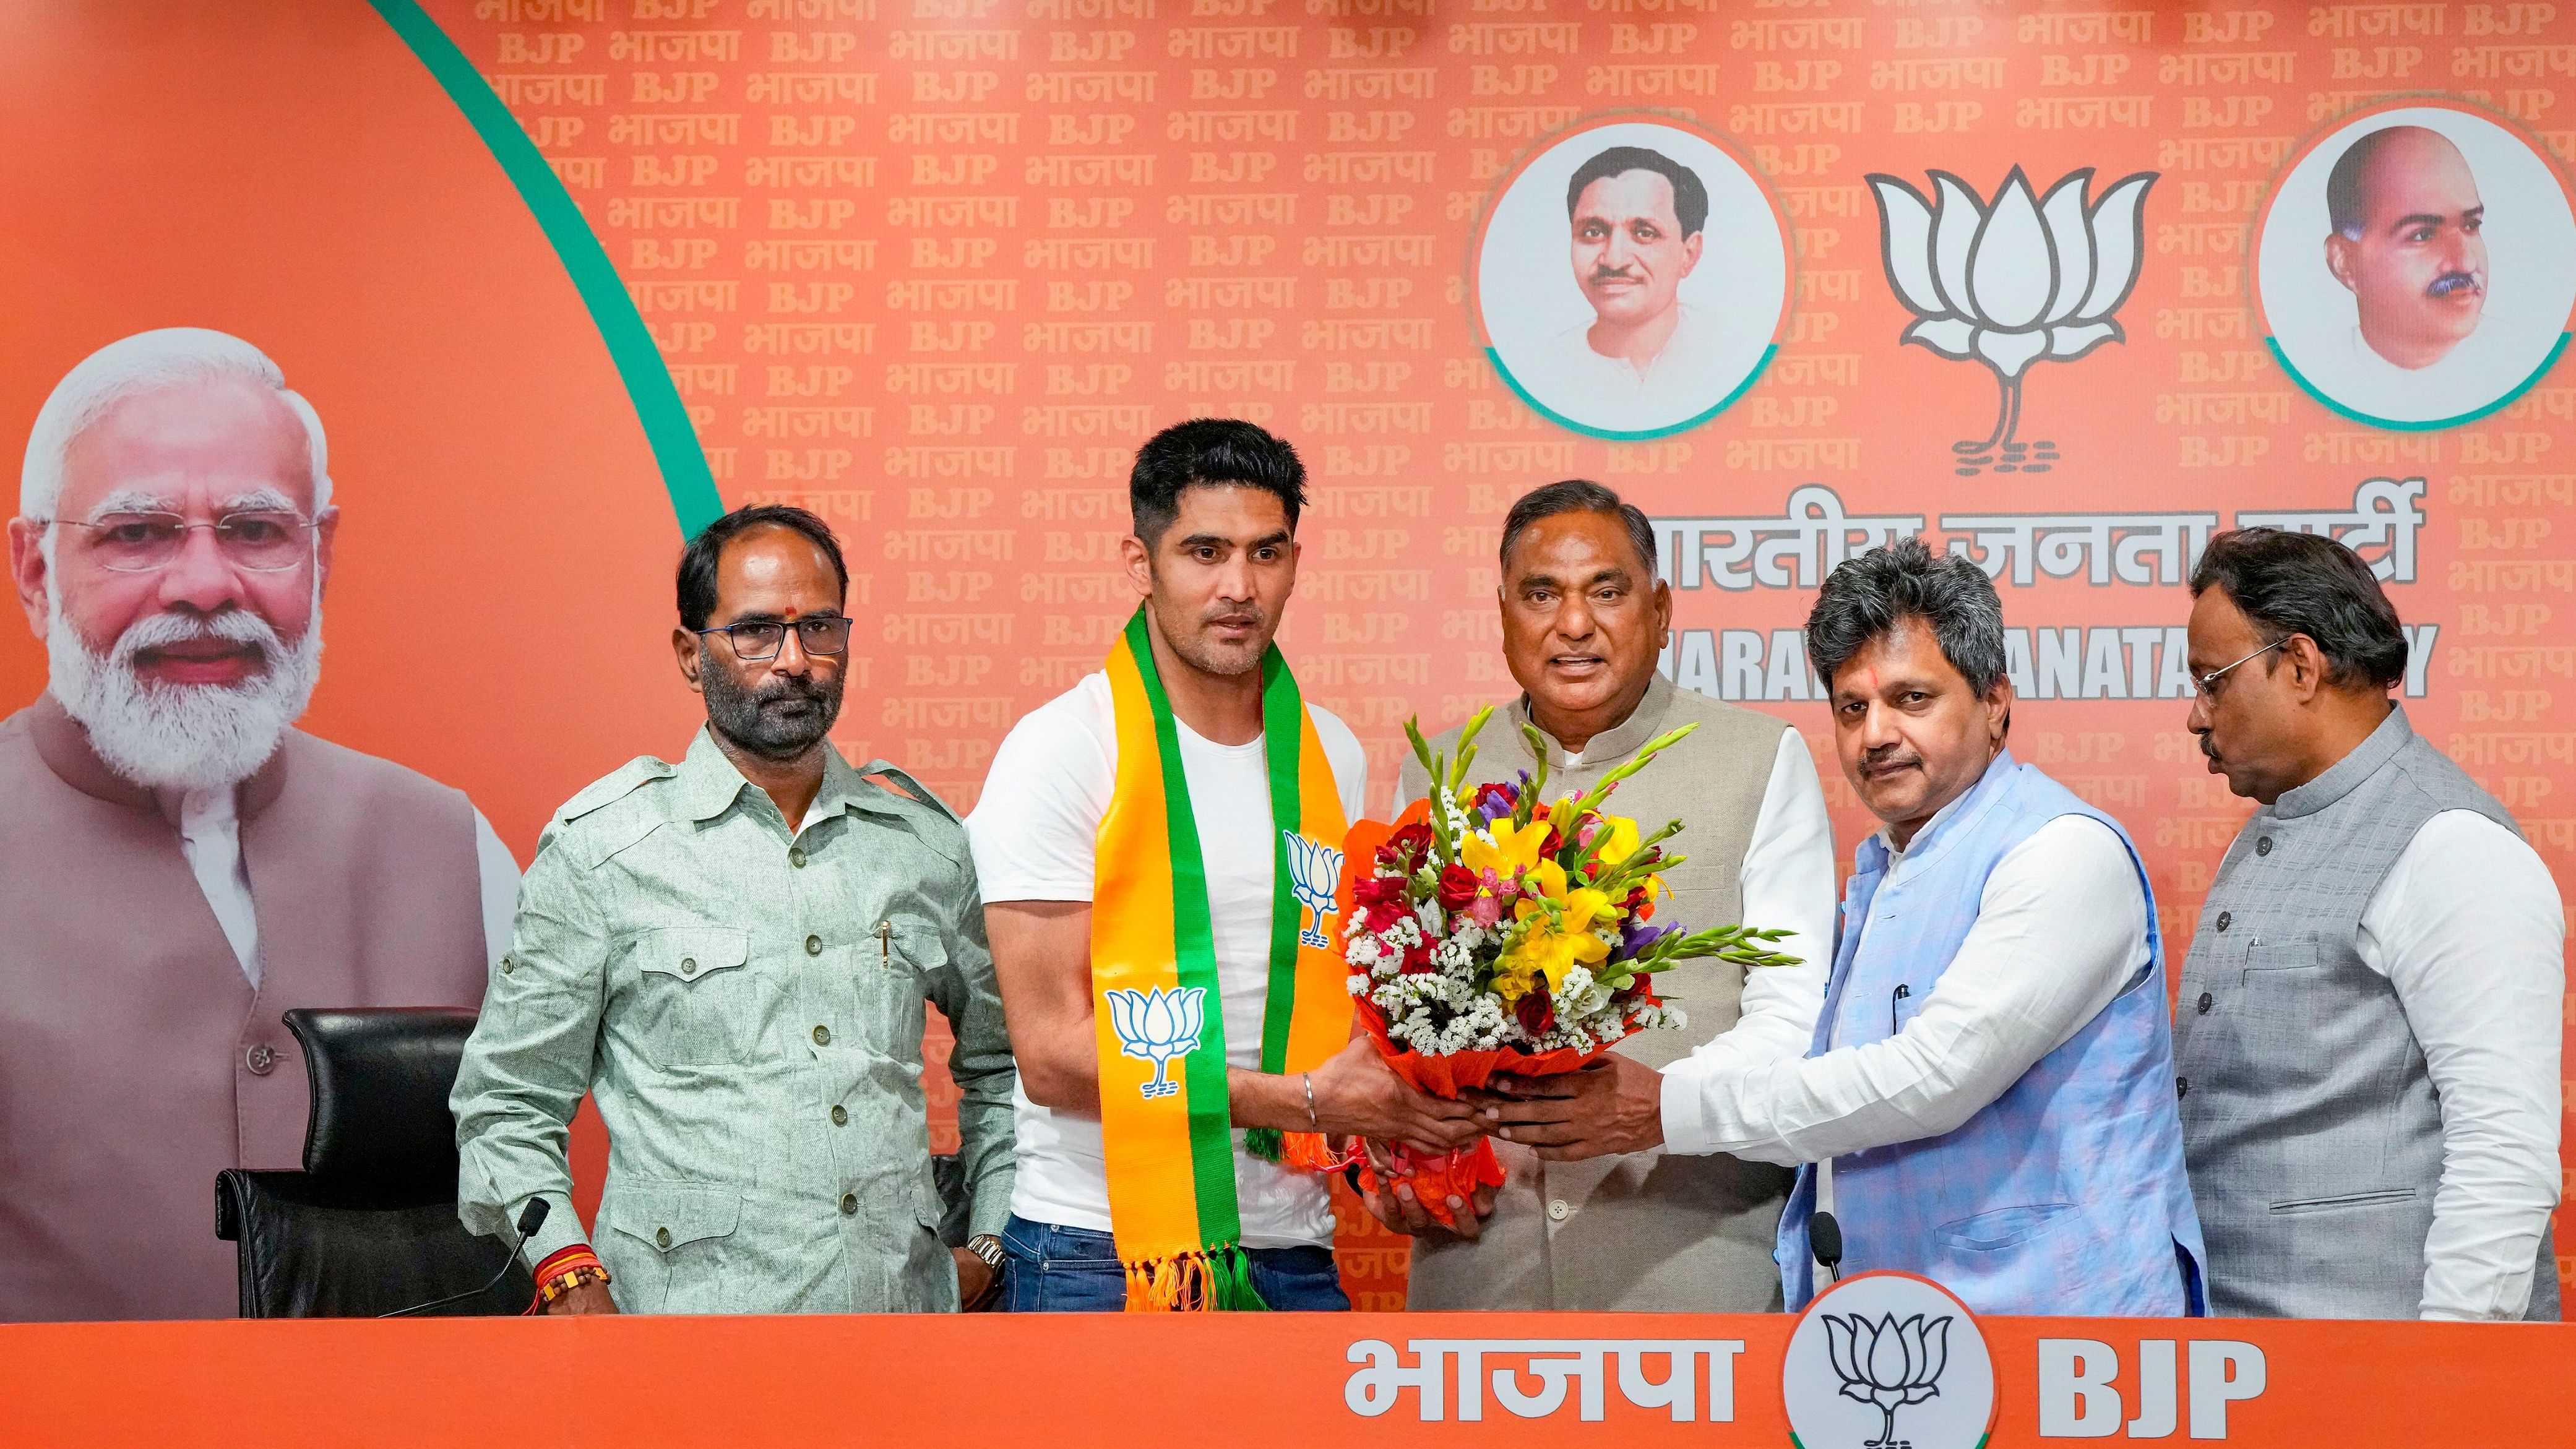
(369, 1225)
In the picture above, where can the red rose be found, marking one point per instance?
(1378, 889)
(1413, 841)
(1536, 1012)
(1417, 961)
(1457, 887)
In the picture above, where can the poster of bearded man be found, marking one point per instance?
(180, 865)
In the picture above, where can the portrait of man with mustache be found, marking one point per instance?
(180, 865)
(2408, 241)
(1637, 223)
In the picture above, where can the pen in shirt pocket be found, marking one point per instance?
(1902, 992)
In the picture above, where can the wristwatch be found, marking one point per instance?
(989, 1248)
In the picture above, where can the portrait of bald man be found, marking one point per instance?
(2408, 241)
(179, 865)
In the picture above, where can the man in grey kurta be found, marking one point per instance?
(1583, 619)
(2369, 1036)
(740, 984)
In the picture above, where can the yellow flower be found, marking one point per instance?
(1617, 841)
(1553, 953)
(1512, 850)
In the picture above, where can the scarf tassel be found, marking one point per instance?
(1194, 1282)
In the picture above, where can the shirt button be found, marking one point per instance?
(508, 965)
(662, 1237)
(688, 965)
(261, 1059)
(849, 1203)
(2223, 918)
(2263, 845)
(2182, 1088)
(796, 856)
(1558, 1209)
(2205, 1002)
(813, 945)
(840, 1115)
(822, 1036)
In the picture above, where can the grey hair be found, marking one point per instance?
(148, 362)
(1866, 597)
(1578, 495)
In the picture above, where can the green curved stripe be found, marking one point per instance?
(2399, 425)
(630, 344)
(1494, 355)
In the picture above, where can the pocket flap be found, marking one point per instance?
(690, 952)
(665, 1216)
(2002, 1228)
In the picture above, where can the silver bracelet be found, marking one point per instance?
(1317, 1122)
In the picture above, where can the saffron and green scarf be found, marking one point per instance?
(1166, 1125)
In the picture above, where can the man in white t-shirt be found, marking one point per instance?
(1214, 556)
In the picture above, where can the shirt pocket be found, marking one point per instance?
(697, 1000)
(890, 986)
(686, 1227)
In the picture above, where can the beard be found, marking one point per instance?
(183, 736)
(778, 721)
(1208, 655)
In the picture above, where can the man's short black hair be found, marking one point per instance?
(1578, 495)
(1221, 451)
(1869, 596)
(2298, 583)
(698, 559)
(1690, 198)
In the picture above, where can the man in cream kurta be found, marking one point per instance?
(1583, 618)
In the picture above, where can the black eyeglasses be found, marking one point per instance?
(824, 634)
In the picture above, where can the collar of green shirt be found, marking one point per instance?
(710, 784)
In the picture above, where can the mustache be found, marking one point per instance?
(790, 686)
(2449, 282)
(1614, 274)
(1887, 755)
(237, 626)
(2209, 750)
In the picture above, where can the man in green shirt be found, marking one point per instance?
(731, 954)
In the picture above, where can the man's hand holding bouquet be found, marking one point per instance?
(1492, 931)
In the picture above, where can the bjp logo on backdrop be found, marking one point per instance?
(2011, 281)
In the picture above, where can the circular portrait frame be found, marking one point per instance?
(1527, 305)
(2309, 318)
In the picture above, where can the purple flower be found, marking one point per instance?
(1636, 936)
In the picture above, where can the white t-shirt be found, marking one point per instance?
(1033, 833)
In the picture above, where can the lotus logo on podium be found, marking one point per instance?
(2011, 282)
(1315, 873)
(1888, 1361)
(1159, 1027)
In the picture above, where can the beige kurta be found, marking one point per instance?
(136, 1059)
(1642, 1231)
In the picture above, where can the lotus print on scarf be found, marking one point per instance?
(2010, 282)
(1158, 1027)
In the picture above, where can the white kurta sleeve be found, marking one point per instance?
(2468, 929)
(2060, 931)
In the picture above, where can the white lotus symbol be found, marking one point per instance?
(2012, 282)
(1160, 1027)
(1888, 1364)
(1315, 874)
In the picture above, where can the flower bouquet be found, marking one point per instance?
(1494, 931)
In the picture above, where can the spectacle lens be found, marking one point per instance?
(260, 541)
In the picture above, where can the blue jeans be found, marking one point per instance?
(1047, 1269)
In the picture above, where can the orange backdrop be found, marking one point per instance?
(934, 267)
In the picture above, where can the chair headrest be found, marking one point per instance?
(380, 1080)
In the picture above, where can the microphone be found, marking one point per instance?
(531, 1218)
(1826, 1236)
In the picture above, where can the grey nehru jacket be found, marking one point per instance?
(2310, 1124)
(1641, 1231)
